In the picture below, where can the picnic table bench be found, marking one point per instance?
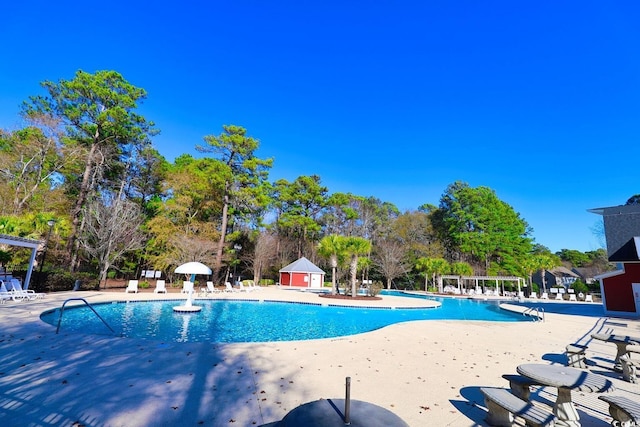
(576, 355)
(623, 410)
(629, 365)
(503, 406)
(621, 342)
(520, 385)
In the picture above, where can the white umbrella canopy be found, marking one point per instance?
(193, 268)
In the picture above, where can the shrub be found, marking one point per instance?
(374, 289)
(580, 286)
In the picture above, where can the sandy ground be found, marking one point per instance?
(427, 372)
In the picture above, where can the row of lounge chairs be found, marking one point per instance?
(11, 290)
(228, 288)
(187, 287)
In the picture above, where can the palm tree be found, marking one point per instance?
(332, 247)
(355, 247)
(431, 267)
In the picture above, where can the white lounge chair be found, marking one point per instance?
(545, 295)
(187, 287)
(229, 288)
(160, 287)
(253, 286)
(559, 296)
(132, 286)
(209, 290)
(243, 288)
(534, 295)
(572, 297)
(5, 295)
(27, 293)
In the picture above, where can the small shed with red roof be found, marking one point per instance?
(302, 274)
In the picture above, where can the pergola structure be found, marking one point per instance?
(25, 243)
(477, 279)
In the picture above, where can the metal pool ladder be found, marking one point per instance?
(536, 313)
(88, 305)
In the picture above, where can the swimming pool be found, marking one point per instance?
(227, 321)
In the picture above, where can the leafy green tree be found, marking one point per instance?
(30, 160)
(182, 230)
(332, 247)
(633, 200)
(354, 247)
(244, 175)
(481, 225)
(576, 258)
(98, 111)
(415, 231)
(299, 205)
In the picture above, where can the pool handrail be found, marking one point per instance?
(88, 305)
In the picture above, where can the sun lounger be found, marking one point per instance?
(16, 287)
(229, 288)
(6, 295)
(160, 287)
(132, 286)
(209, 290)
(187, 287)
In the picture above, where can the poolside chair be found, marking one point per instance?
(588, 298)
(132, 286)
(209, 290)
(160, 287)
(27, 293)
(187, 287)
(534, 295)
(229, 288)
(545, 295)
(243, 288)
(6, 295)
(253, 286)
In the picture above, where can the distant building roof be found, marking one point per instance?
(563, 271)
(302, 265)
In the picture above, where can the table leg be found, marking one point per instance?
(564, 409)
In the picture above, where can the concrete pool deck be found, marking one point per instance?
(426, 372)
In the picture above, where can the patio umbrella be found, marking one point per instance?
(193, 268)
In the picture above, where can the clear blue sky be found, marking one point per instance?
(538, 100)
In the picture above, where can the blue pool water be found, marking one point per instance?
(251, 321)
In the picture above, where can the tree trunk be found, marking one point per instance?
(334, 265)
(223, 234)
(353, 269)
(72, 247)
